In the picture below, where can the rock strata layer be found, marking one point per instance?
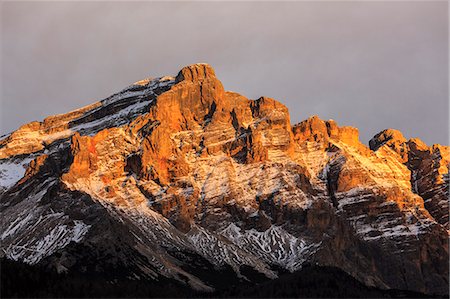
(174, 175)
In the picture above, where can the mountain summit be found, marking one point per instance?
(177, 179)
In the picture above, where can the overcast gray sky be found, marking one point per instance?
(373, 65)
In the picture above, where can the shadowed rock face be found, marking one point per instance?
(176, 170)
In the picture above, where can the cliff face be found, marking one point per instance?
(428, 167)
(173, 175)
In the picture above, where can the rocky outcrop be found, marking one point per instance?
(182, 170)
(428, 167)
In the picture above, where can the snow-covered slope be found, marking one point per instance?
(172, 175)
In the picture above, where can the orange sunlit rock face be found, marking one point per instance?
(428, 167)
(180, 160)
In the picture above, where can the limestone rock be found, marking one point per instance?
(172, 173)
(428, 167)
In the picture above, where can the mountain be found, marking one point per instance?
(176, 181)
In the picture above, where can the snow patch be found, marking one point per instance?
(58, 237)
(11, 171)
(274, 245)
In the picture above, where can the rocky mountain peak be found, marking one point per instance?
(318, 130)
(428, 166)
(390, 136)
(196, 72)
(417, 144)
(171, 174)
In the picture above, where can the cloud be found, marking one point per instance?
(372, 65)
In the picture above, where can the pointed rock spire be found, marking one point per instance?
(390, 136)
